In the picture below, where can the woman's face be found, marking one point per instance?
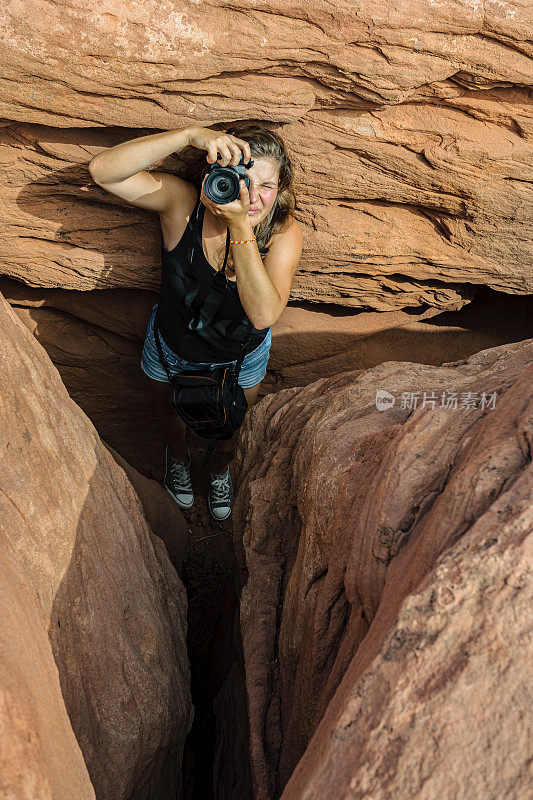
(263, 189)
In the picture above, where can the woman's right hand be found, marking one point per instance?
(229, 147)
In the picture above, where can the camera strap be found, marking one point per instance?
(203, 315)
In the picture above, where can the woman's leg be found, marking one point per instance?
(225, 448)
(172, 427)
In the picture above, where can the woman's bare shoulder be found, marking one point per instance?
(290, 233)
(286, 245)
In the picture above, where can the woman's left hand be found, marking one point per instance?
(233, 213)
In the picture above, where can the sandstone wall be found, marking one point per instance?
(95, 341)
(387, 574)
(410, 130)
(409, 127)
(40, 754)
(103, 590)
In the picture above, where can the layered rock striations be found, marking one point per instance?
(410, 130)
(386, 565)
(102, 588)
(392, 217)
(161, 60)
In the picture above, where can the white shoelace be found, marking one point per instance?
(180, 472)
(220, 486)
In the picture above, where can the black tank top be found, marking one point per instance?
(219, 341)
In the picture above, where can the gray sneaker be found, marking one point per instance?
(178, 479)
(220, 494)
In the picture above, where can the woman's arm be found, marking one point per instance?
(264, 285)
(126, 159)
(122, 169)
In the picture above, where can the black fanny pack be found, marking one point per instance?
(211, 402)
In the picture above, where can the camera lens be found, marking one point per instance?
(222, 185)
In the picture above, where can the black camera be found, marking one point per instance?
(222, 184)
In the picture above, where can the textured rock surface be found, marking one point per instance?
(309, 345)
(410, 129)
(102, 373)
(124, 312)
(111, 602)
(411, 137)
(40, 755)
(370, 241)
(61, 229)
(384, 612)
(166, 61)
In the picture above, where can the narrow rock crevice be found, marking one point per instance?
(216, 759)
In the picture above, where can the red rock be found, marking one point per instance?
(308, 344)
(159, 63)
(403, 200)
(102, 373)
(365, 676)
(121, 311)
(392, 218)
(410, 134)
(40, 755)
(111, 602)
(64, 238)
(411, 145)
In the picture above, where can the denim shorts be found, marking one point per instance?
(252, 372)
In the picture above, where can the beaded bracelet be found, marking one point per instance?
(243, 241)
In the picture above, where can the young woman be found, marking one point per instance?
(266, 243)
